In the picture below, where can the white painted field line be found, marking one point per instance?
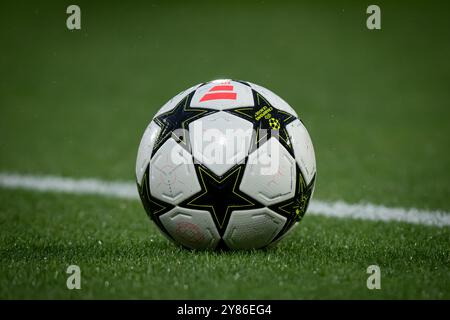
(127, 190)
(374, 212)
(124, 190)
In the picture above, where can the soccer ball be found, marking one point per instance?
(226, 164)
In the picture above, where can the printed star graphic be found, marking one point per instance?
(220, 195)
(152, 206)
(178, 118)
(262, 115)
(296, 207)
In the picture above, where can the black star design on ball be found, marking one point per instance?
(268, 122)
(152, 206)
(220, 195)
(178, 118)
(295, 208)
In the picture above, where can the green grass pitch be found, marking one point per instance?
(75, 103)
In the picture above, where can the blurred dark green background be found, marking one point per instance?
(376, 103)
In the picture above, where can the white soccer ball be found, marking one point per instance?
(226, 164)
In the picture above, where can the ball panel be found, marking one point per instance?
(252, 229)
(222, 94)
(274, 99)
(269, 175)
(303, 149)
(172, 174)
(220, 140)
(145, 149)
(194, 229)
